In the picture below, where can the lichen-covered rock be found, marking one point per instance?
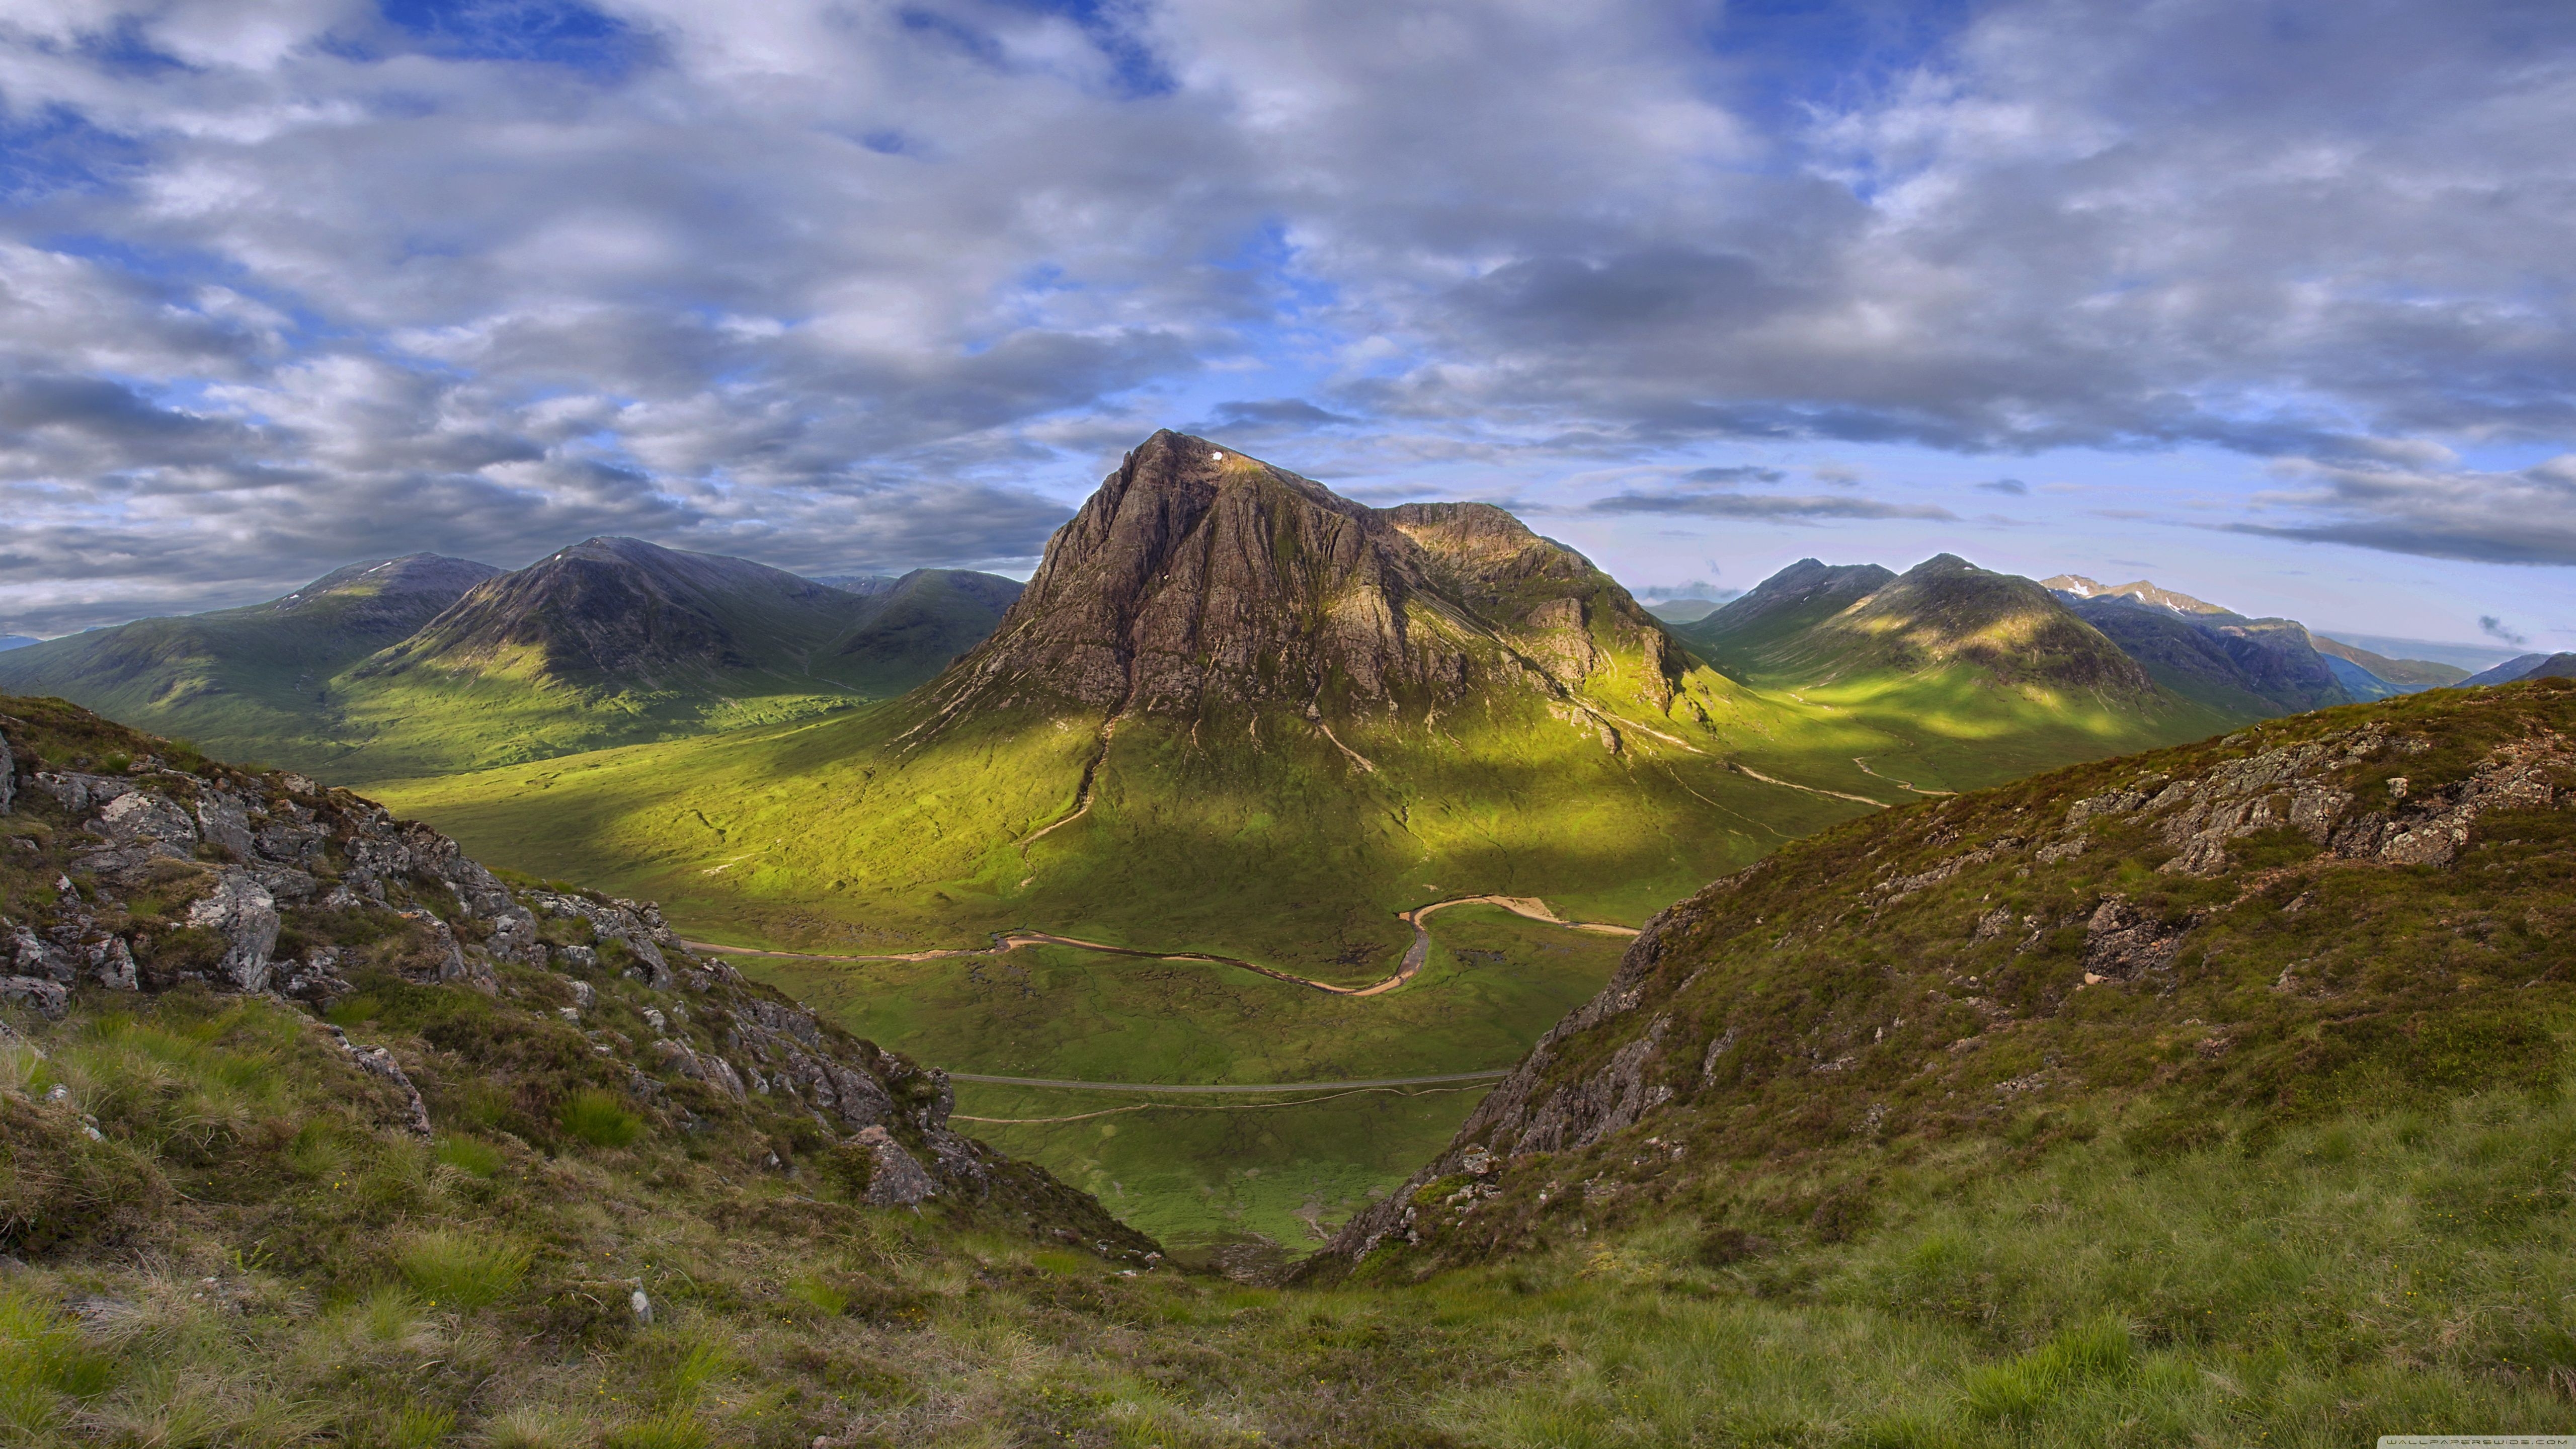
(241, 910)
(896, 1180)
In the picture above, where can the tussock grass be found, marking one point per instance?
(462, 1271)
(596, 1116)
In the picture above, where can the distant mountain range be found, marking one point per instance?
(425, 664)
(2224, 656)
(16, 641)
(2529, 666)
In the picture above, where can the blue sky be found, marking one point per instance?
(2269, 302)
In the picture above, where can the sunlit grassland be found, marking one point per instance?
(1243, 834)
(1954, 728)
(333, 1281)
(1218, 1168)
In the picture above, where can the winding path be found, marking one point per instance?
(1495, 1075)
(1415, 955)
(1891, 779)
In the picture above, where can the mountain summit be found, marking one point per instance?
(1196, 575)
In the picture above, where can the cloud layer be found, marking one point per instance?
(846, 286)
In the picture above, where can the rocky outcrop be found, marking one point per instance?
(2301, 787)
(197, 877)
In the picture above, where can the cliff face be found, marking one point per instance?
(1196, 573)
(2298, 919)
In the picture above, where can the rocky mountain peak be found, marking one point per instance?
(1198, 572)
(2137, 591)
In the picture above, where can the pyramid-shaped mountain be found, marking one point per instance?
(1200, 579)
(628, 615)
(1232, 711)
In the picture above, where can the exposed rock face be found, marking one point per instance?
(242, 911)
(1196, 573)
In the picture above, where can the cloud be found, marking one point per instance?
(2013, 486)
(287, 284)
(2495, 628)
(2523, 516)
(1740, 505)
(1269, 415)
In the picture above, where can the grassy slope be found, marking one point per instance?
(330, 1279)
(1203, 1170)
(2393, 1257)
(247, 683)
(1261, 839)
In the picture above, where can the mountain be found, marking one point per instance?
(2358, 684)
(619, 615)
(423, 665)
(2470, 657)
(2405, 674)
(2139, 592)
(1798, 597)
(1692, 610)
(615, 641)
(916, 624)
(857, 583)
(16, 641)
(1947, 612)
(251, 681)
(2244, 663)
(2528, 666)
(2250, 668)
(1230, 711)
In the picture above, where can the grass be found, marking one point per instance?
(2365, 1272)
(1213, 1171)
(448, 1267)
(595, 1116)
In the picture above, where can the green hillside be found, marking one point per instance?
(1944, 678)
(426, 665)
(249, 683)
(2300, 1181)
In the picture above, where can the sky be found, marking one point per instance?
(2268, 302)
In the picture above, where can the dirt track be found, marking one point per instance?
(1415, 955)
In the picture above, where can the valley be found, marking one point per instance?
(1236, 726)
